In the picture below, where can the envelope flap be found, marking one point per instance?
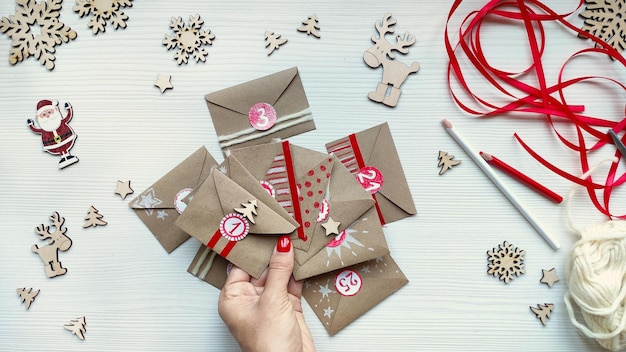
(348, 200)
(188, 174)
(242, 97)
(304, 159)
(384, 156)
(231, 196)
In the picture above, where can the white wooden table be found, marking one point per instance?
(136, 297)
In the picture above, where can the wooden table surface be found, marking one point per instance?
(137, 297)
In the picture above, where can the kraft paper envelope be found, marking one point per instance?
(230, 108)
(302, 179)
(218, 196)
(209, 267)
(340, 297)
(375, 147)
(363, 240)
(160, 205)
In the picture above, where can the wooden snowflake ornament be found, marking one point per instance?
(606, 19)
(506, 262)
(188, 39)
(103, 11)
(26, 41)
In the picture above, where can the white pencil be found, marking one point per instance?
(496, 180)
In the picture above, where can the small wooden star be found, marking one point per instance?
(549, 277)
(163, 82)
(123, 189)
(331, 226)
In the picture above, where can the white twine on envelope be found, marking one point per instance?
(596, 277)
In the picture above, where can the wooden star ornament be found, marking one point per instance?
(164, 82)
(549, 277)
(331, 226)
(123, 188)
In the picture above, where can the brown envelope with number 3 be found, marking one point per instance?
(160, 204)
(374, 147)
(232, 107)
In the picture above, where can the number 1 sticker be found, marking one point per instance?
(370, 178)
(234, 227)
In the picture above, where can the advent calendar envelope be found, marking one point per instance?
(340, 297)
(371, 156)
(363, 240)
(245, 240)
(209, 267)
(313, 187)
(278, 96)
(160, 205)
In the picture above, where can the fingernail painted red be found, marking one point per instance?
(284, 244)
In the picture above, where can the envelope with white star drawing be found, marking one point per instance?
(371, 156)
(322, 196)
(161, 204)
(257, 111)
(340, 297)
(236, 217)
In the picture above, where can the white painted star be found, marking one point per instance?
(161, 214)
(147, 200)
(324, 290)
(328, 312)
(307, 284)
(366, 269)
(331, 226)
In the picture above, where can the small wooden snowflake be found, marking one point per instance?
(103, 11)
(606, 19)
(188, 39)
(506, 261)
(26, 41)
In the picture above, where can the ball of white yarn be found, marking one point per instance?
(596, 279)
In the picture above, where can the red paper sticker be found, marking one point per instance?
(234, 227)
(269, 188)
(348, 283)
(370, 178)
(179, 205)
(324, 208)
(337, 241)
(262, 116)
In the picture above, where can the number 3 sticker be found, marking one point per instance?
(370, 178)
(348, 283)
(234, 227)
(262, 116)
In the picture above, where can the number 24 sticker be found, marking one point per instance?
(370, 178)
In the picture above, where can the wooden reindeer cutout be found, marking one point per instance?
(49, 253)
(394, 72)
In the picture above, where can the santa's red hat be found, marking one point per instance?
(45, 104)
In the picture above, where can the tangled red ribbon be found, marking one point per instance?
(545, 100)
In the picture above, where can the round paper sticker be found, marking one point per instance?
(370, 178)
(337, 241)
(269, 188)
(234, 227)
(262, 116)
(348, 283)
(179, 205)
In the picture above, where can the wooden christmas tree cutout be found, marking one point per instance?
(606, 20)
(123, 188)
(188, 39)
(27, 295)
(163, 82)
(542, 311)
(506, 262)
(78, 327)
(549, 277)
(58, 241)
(248, 210)
(93, 218)
(273, 41)
(101, 11)
(25, 41)
(311, 26)
(445, 162)
(382, 54)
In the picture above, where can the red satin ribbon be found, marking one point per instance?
(226, 250)
(354, 144)
(545, 99)
(293, 189)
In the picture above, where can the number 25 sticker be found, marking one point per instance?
(370, 178)
(348, 283)
(234, 227)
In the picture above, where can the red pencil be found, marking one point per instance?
(520, 176)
